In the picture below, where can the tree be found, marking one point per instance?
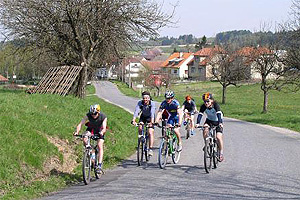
(227, 67)
(78, 32)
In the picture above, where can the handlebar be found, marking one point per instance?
(93, 137)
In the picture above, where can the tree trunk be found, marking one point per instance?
(82, 82)
(265, 107)
(224, 95)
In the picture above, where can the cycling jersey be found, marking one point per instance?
(189, 106)
(171, 109)
(213, 114)
(147, 111)
(95, 125)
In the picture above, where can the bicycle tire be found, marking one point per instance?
(188, 130)
(146, 148)
(175, 153)
(97, 175)
(216, 155)
(163, 153)
(140, 151)
(207, 155)
(86, 167)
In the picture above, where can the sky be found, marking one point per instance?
(209, 17)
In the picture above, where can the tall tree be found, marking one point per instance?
(80, 31)
(227, 67)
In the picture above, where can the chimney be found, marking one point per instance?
(180, 54)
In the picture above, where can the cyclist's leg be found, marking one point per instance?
(100, 143)
(206, 125)
(140, 126)
(192, 122)
(220, 141)
(174, 121)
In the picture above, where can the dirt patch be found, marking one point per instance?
(69, 157)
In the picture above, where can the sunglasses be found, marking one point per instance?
(207, 101)
(94, 113)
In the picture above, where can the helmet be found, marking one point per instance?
(169, 94)
(145, 93)
(188, 97)
(206, 96)
(95, 109)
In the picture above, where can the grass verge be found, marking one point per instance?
(27, 121)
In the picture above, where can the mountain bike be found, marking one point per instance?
(188, 124)
(168, 146)
(143, 143)
(90, 158)
(211, 149)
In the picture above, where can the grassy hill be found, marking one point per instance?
(38, 153)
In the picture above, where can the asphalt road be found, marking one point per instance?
(261, 162)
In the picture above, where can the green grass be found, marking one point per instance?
(27, 120)
(244, 102)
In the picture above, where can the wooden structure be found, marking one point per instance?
(58, 80)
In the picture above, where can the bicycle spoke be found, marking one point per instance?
(163, 153)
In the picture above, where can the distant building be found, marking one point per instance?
(3, 80)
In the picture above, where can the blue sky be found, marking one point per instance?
(209, 17)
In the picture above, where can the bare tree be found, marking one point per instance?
(78, 31)
(227, 68)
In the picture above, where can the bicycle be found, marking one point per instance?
(188, 124)
(143, 143)
(90, 158)
(211, 149)
(168, 146)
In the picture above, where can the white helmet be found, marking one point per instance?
(95, 109)
(169, 94)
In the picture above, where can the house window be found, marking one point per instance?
(199, 70)
(175, 71)
(193, 70)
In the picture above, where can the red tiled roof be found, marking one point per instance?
(209, 51)
(3, 79)
(252, 51)
(152, 65)
(174, 56)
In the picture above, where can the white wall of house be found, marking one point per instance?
(183, 70)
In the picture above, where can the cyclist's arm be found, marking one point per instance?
(219, 113)
(180, 113)
(136, 112)
(202, 109)
(104, 124)
(159, 115)
(152, 111)
(78, 128)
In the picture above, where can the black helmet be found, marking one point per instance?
(169, 94)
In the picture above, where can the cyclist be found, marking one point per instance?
(147, 109)
(189, 106)
(214, 117)
(96, 123)
(172, 107)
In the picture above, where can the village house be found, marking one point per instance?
(199, 67)
(177, 65)
(3, 80)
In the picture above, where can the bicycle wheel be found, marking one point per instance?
(207, 155)
(175, 153)
(216, 154)
(163, 153)
(146, 148)
(188, 130)
(140, 151)
(86, 167)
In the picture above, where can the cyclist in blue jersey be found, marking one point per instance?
(146, 108)
(214, 117)
(172, 107)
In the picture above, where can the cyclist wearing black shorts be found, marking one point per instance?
(96, 123)
(214, 117)
(189, 106)
(146, 109)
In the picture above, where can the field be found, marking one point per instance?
(244, 102)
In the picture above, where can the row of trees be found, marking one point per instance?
(79, 32)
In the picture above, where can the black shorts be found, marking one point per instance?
(145, 119)
(214, 123)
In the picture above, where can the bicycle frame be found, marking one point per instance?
(143, 140)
